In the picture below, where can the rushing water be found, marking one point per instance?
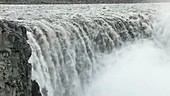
(139, 69)
(97, 50)
(68, 52)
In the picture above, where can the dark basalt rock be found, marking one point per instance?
(15, 71)
(35, 89)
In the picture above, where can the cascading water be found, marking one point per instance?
(67, 52)
(96, 50)
(139, 69)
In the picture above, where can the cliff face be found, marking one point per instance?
(15, 71)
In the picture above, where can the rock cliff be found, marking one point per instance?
(15, 71)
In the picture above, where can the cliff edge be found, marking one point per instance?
(15, 71)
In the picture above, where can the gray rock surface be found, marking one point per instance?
(15, 71)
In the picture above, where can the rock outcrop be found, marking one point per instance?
(15, 71)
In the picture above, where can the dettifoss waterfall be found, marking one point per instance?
(101, 55)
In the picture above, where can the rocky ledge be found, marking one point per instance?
(15, 70)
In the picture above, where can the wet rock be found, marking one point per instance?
(15, 71)
(35, 89)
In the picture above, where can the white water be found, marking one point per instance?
(65, 57)
(66, 50)
(68, 42)
(140, 69)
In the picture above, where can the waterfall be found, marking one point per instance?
(67, 53)
(97, 49)
(138, 69)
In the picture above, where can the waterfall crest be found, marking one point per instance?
(66, 52)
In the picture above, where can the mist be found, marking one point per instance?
(141, 69)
